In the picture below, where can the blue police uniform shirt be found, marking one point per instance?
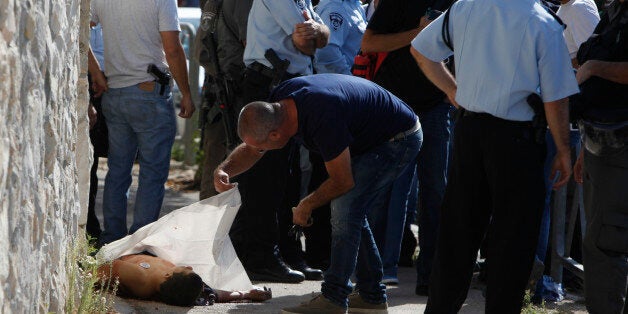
(96, 43)
(271, 24)
(337, 111)
(503, 51)
(346, 22)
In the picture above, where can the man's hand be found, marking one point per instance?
(308, 29)
(451, 95)
(585, 71)
(92, 115)
(99, 83)
(187, 107)
(562, 165)
(309, 35)
(578, 168)
(304, 35)
(301, 215)
(221, 181)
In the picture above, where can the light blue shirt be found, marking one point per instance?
(504, 50)
(95, 42)
(346, 22)
(270, 25)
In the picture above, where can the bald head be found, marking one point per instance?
(258, 119)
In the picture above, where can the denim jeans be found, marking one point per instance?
(387, 220)
(141, 124)
(541, 249)
(432, 164)
(353, 246)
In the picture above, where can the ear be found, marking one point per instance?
(168, 274)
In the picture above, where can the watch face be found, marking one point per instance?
(145, 265)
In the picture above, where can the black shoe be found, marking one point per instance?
(276, 273)
(421, 290)
(320, 264)
(309, 272)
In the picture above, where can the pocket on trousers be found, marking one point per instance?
(613, 235)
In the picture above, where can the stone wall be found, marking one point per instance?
(44, 150)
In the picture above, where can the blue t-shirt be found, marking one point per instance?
(338, 111)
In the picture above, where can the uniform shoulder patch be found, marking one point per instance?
(301, 4)
(336, 20)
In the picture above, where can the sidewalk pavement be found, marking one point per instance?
(401, 298)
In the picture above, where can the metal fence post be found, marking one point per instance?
(563, 232)
(187, 140)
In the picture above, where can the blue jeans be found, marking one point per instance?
(387, 220)
(140, 124)
(352, 244)
(541, 249)
(432, 164)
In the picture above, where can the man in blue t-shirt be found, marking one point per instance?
(367, 137)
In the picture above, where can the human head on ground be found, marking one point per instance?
(262, 125)
(181, 287)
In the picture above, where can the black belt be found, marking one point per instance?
(484, 115)
(268, 72)
(603, 139)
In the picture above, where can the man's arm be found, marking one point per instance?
(557, 115)
(376, 42)
(613, 71)
(340, 181)
(310, 35)
(99, 82)
(175, 56)
(438, 74)
(240, 160)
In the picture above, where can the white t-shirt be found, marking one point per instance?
(131, 37)
(581, 18)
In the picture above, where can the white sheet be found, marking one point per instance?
(196, 235)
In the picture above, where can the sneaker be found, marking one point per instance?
(358, 305)
(318, 304)
(390, 281)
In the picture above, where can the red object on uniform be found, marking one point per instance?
(365, 65)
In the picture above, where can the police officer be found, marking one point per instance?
(495, 184)
(603, 79)
(229, 41)
(294, 31)
(346, 22)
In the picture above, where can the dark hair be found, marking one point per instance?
(180, 289)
